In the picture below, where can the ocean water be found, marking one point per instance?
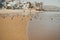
(44, 26)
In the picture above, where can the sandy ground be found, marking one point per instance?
(13, 27)
(43, 25)
(16, 11)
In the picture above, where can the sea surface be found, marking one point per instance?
(44, 26)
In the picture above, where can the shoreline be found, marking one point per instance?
(24, 10)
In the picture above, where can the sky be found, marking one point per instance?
(47, 2)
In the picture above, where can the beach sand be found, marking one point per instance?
(13, 27)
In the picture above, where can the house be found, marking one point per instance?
(39, 6)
